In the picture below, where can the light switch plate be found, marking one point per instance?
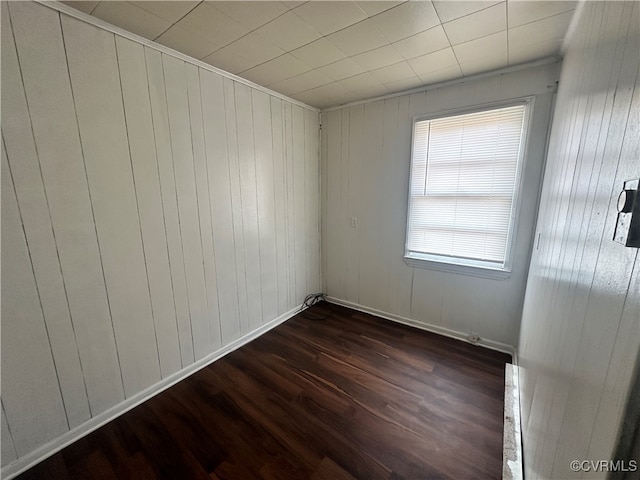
(627, 230)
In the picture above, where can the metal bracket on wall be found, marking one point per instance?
(627, 230)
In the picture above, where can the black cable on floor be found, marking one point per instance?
(309, 301)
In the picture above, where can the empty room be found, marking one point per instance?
(320, 240)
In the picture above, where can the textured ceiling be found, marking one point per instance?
(329, 53)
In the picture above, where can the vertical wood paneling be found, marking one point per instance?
(620, 368)
(236, 201)
(324, 180)
(345, 214)
(265, 195)
(312, 189)
(36, 219)
(153, 212)
(280, 205)
(204, 208)
(55, 130)
(613, 266)
(353, 197)
(619, 371)
(578, 342)
(140, 130)
(248, 192)
(25, 339)
(332, 249)
(369, 225)
(9, 453)
(367, 157)
(299, 139)
(417, 297)
(108, 164)
(385, 237)
(182, 148)
(291, 202)
(215, 128)
(574, 262)
(401, 277)
(160, 117)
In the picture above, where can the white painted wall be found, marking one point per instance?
(580, 331)
(366, 158)
(153, 213)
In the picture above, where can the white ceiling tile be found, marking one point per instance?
(406, 20)
(288, 31)
(534, 50)
(484, 54)
(450, 10)
(404, 84)
(254, 48)
(212, 24)
(391, 45)
(83, 6)
(433, 61)
(244, 53)
(170, 11)
(358, 82)
(250, 14)
(300, 83)
(187, 42)
(341, 69)
(378, 58)
(393, 73)
(375, 7)
(291, 5)
(228, 62)
(538, 39)
(318, 53)
(551, 27)
(328, 17)
(526, 12)
(131, 18)
(358, 38)
(443, 75)
(479, 24)
(422, 43)
(364, 93)
(325, 96)
(275, 70)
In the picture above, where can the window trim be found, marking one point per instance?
(459, 265)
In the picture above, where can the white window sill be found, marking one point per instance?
(458, 267)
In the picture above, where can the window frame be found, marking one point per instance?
(467, 266)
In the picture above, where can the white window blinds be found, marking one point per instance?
(463, 180)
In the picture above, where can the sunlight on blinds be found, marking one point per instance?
(463, 180)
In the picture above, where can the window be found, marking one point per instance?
(465, 176)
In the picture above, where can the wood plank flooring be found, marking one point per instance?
(330, 394)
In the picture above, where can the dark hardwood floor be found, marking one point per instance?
(349, 396)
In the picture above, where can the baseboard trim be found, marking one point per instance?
(512, 436)
(447, 332)
(29, 460)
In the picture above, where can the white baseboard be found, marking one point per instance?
(29, 460)
(447, 332)
(512, 441)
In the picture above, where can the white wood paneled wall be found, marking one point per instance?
(366, 157)
(153, 212)
(581, 323)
